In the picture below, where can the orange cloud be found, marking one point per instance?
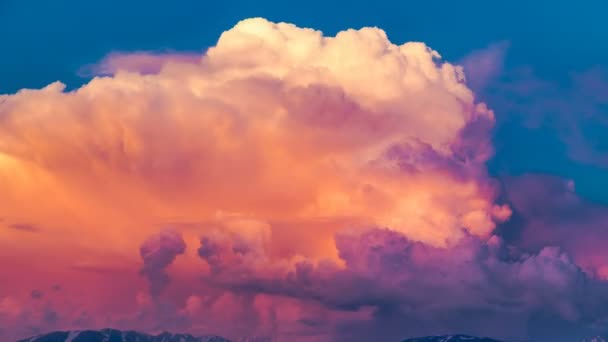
(278, 135)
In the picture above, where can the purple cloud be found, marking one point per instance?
(551, 213)
(158, 252)
(483, 66)
(24, 227)
(428, 289)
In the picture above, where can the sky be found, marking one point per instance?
(305, 171)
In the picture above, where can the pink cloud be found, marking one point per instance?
(277, 143)
(158, 252)
(140, 62)
(553, 214)
(417, 283)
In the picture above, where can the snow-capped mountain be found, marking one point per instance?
(451, 338)
(594, 339)
(112, 335)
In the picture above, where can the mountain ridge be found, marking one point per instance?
(115, 335)
(451, 338)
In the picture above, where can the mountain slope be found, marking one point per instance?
(112, 335)
(451, 338)
(594, 339)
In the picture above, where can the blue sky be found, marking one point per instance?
(45, 41)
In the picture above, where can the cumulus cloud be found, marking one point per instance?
(279, 143)
(378, 135)
(551, 212)
(424, 289)
(158, 252)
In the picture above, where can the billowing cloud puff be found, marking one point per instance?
(158, 252)
(550, 212)
(269, 156)
(275, 121)
(420, 289)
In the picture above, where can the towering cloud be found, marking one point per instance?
(275, 121)
(275, 156)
